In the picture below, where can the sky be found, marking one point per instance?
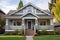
(7, 5)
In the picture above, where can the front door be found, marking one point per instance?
(29, 24)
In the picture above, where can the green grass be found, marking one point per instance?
(47, 37)
(12, 37)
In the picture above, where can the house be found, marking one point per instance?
(2, 19)
(2, 14)
(29, 17)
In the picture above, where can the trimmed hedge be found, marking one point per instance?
(16, 32)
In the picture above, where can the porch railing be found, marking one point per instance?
(47, 27)
(15, 27)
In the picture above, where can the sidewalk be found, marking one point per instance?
(29, 37)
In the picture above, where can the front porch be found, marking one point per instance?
(29, 23)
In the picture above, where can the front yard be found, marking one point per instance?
(12, 38)
(47, 37)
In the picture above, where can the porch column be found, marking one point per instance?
(22, 21)
(36, 23)
(6, 24)
(51, 21)
(23, 25)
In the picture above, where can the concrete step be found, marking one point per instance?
(29, 32)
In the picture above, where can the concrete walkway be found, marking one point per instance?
(29, 37)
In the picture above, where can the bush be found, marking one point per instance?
(10, 33)
(43, 32)
(57, 31)
(19, 32)
(50, 32)
(16, 32)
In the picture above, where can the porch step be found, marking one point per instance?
(29, 32)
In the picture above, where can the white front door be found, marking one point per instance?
(29, 24)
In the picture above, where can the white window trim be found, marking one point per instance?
(13, 23)
(28, 8)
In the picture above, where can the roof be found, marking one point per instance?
(28, 5)
(11, 11)
(47, 13)
(2, 12)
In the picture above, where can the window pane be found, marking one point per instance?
(14, 23)
(18, 23)
(29, 9)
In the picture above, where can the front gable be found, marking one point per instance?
(29, 8)
(29, 15)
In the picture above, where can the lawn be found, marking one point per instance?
(47, 37)
(12, 38)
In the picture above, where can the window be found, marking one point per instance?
(29, 9)
(43, 22)
(21, 11)
(16, 22)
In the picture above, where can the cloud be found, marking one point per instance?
(43, 4)
(28, 0)
(5, 6)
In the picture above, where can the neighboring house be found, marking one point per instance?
(2, 17)
(2, 14)
(29, 17)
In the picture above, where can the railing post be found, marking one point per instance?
(6, 27)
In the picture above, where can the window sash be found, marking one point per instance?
(43, 22)
(16, 23)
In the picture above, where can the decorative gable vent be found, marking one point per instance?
(29, 10)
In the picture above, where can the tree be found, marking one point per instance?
(51, 4)
(2, 24)
(56, 10)
(20, 4)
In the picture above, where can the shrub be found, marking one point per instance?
(19, 32)
(57, 31)
(50, 32)
(10, 33)
(16, 32)
(43, 32)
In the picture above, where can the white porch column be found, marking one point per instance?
(23, 25)
(51, 21)
(6, 21)
(23, 21)
(36, 23)
(6, 24)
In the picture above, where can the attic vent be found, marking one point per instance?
(29, 9)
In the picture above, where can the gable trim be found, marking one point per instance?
(33, 6)
(29, 13)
